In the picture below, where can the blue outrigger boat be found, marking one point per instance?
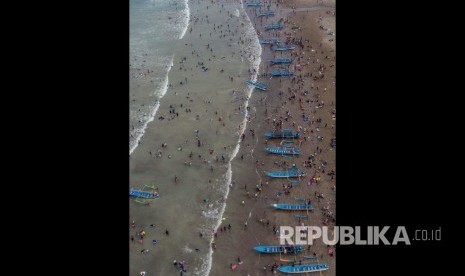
(286, 174)
(253, 4)
(282, 72)
(274, 26)
(292, 207)
(305, 268)
(258, 85)
(143, 194)
(284, 150)
(270, 40)
(274, 249)
(265, 13)
(285, 133)
(283, 48)
(283, 60)
(278, 174)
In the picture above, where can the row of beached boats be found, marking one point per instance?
(285, 150)
(278, 47)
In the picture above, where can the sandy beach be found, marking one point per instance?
(291, 101)
(200, 120)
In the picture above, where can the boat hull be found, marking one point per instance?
(257, 85)
(253, 4)
(283, 151)
(285, 174)
(282, 73)
(142, 194)
(276, 249)
(293, 207)
(307, 268)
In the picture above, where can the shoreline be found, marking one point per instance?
(256, 210)
(206, 100)
(207, 193)
(234, 153)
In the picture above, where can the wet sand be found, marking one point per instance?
(305, 103)
(186, 149)
(213, 104)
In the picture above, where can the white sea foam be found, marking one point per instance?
(213, 213)
(160, 92)
(187, 249)
(186, 13)
(255, 49)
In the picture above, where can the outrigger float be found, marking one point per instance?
(257, 85)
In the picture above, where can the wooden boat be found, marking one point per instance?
(284, 150)
(305, 268)
(283, 48)
(292, 207)
(276, 249)
(285, 133)
(285, 174)
(143, 194)
(300, 216)
(283, 60)
(282, 72)
(274, 26)
(253, 4)
(258, 85)
(291, 171)
(270, 40)
(265, 13)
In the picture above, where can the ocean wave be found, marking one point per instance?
(186, 13)
(254, 48)
(187, 249)
(161, 90)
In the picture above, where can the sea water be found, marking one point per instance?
(189, 64)
(154, 26)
